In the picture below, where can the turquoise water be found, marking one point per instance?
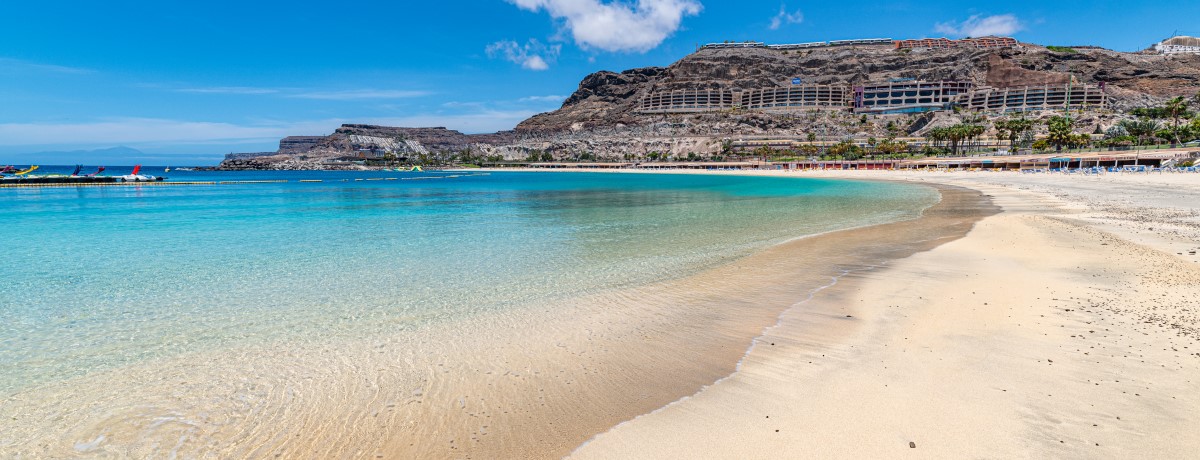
(97, 278)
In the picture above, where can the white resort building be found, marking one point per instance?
(1178, 45)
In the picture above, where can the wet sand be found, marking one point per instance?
(1067, 326)
(533, 383)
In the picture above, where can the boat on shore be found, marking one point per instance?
(136, 176)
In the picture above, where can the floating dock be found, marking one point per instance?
(15, 184)
(59, 180)
(99, 181)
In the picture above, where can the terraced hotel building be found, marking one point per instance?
(893, 96)
(1033, 98)
(944, 43)
(908, 96)
(884, 98)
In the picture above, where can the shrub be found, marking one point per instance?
(1062, 49)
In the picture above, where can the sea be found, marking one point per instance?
(95, 280)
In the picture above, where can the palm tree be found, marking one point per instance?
(973, 132)
(1141, 129)
(1060, 132)
(1176, 108)
(1012, 129)
(936, 135)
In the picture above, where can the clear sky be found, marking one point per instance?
(188, 81)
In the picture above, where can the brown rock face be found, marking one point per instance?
(350, 137)
(599, 119)
(1004, 73)
(606, 99)
(603, 99)
(356, 140)
(299, 144)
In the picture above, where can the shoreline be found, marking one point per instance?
(1060, 321)
(1063, 326)
(495, 394)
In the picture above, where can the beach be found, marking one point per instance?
(1064, 326)
(1020, 316)
(251, 357)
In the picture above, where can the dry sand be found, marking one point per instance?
(1065, 326)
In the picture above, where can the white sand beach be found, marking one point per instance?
(1061, 322)
(1066, 326)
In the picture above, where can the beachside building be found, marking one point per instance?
(895, 96)
(798, 46)
(908, 96)
(734, 45)
(796, 97)
(687, 101)
(1033, 98)
(924, 43)
(1178, 45)
(989, 42)
(861, 42)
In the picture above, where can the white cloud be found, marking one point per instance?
(550, 98)
(132, 130)
(306, 93)
(616, 25)
(358, 94)
(485, 121)
(535, 63)
(785, 18)
(16, 65)
(533, 55)
(979, 26)
(228, 90)
(166, 133)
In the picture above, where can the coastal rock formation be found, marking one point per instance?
(600, 119)
(353, 142)
(299, 144)
(1139, 79)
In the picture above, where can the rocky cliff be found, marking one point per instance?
(353, 142)
(599, 121)
(606, 99)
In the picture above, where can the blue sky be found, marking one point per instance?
(187, 82)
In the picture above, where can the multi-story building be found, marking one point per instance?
(860, 41)
(897, 96)
(1178, 45)
(908, 96)
(796, 97)
(687, 101)
(732, 45)
(1032, 98)
(989, 42)
(929, 43)
(798, 46)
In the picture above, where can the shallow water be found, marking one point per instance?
(101, 279)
